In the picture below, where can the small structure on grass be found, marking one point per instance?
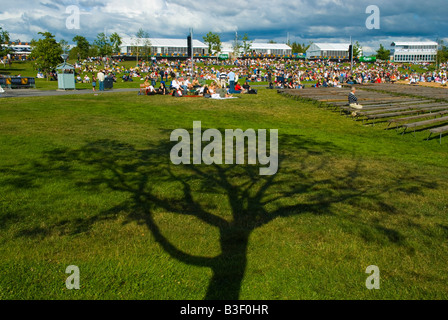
(66, 75)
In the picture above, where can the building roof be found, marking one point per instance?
(163, 42)
(258, 45)
(332, 46)
(414, 43)
(261, 45)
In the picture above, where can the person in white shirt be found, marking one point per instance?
(101, 76)
(175, 84)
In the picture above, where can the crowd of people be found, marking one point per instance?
(276, 73)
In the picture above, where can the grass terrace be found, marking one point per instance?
(87, 180)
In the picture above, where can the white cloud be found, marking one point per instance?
(305, 20)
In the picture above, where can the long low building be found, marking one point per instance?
(276, 49)
(414, 52)
(163, 46)
(271, 48)
(328, 50)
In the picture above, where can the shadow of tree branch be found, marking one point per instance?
(302, 185)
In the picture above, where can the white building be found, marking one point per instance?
(412, 52)
(18, 48)
(163, 46)
(280, 49)
(328, 50)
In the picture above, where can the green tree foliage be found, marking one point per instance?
(213, 40)
(64, 45)
(93, 51)
(357, 50)
(82, 47)
(299, 48)
(4, 39)
(46, 52)
(442, 53)
(116, 42)
(237, 46)
(103, 44)
(247, 43)
(382, 53)
(142, 44)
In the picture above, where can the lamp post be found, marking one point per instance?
(64, 57)
(192, 53)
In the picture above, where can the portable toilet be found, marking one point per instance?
(66, 75)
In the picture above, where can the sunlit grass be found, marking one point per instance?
(83, 179)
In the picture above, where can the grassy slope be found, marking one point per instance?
(83, 179)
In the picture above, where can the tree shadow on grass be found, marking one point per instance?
(305, 183)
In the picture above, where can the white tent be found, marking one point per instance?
(317, 50)
(162, 45)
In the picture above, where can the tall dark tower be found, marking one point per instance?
(190, 46)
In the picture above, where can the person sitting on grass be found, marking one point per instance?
(196, 83)
(146, 83)
(150, 90)
(163, 90)
(246, 87)
(238, 88)
(206, 92)
(213, 90)
(353, 101)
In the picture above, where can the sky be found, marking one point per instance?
(303, 21)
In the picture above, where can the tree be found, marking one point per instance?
(93, 51)
(382, 53)
(4, 39)
(271, 41)
(442, 52)
(46, 52)
(115, 40)
(103, 44)
(237, 46)
(142, 44)
(64, 46)
(298, 48)
(82, 46)
(357, 50)
(246, 43)
(214, 42)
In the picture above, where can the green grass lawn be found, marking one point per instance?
(87, 181)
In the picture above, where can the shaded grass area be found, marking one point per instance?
(87, 181)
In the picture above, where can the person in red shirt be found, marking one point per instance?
(238, 88)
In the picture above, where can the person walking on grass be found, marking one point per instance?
(353, 101)
(101, 77)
